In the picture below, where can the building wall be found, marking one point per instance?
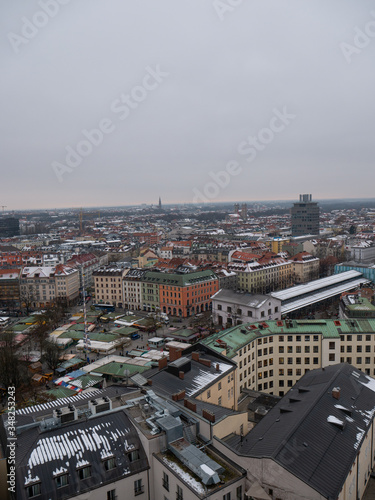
(221, 393)
(239, 313)
(232, 424)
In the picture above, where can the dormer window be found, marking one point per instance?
(109, 463)
(62, 480)
(84, 472)
(33, 490)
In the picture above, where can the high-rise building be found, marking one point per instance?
(9, 226)
(305, 216)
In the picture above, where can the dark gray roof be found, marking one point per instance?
(241, 298)
(196, 380)
(44, 455)
(219, 411)
(303, 432)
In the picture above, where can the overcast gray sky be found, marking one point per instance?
(178, 88)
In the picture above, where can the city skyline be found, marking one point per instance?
(196, 102)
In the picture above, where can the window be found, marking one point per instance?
(208, 394)
(331, 357)
(33, 490)
(349, 338)
(359, 348)
(226, 496)
(111, 495)
(349, 348)
(307, 348)
(316, 361)
(281, 383)
(359, 361)
(359, 338)
(281, 349)
(110, 463)
(166, 481)
(179, 493)
(219, 386)
(138, 487)
(316, 338)
(133, 456)
(219, 401)
(229, 309)
(84, 472)
(62, 480)
(290, 338)
(368, 338)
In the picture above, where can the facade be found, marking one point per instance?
(133, 289)
(368, 270)
(364, 254)
(150, 294)
(230, 308)
(41, 286)
(265, 275)
(273, 355)
(305, 267)
(86, 264)
(9, 226)
(108, 282)
(187, 294)
(305, 216)
(10, 288)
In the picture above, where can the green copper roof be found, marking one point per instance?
(239, 336)
(175, 279)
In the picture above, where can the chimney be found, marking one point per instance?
(190, 405)
(195, 356)
(178, 396)
(208, 415)
(336, 392)
(217, 367)
(174, 353)
(163, 362)
(205, 362)
(181, 375)
(149, 381)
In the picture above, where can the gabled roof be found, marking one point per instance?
(42, 456)
(310, 433)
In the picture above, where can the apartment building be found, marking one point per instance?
(265, 275)
(305, 267)
(317, 443)
(10, 288)
(186, 294)
(133, 289)
(108, 282)
(41, 286)
(272, 356)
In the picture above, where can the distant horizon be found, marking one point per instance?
(171, 204)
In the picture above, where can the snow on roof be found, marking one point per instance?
(334, 420)
(205, 378)
(185, 476)
(72, 444)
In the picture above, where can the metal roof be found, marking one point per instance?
(299, 303)
(310, 433)
(315, 285)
